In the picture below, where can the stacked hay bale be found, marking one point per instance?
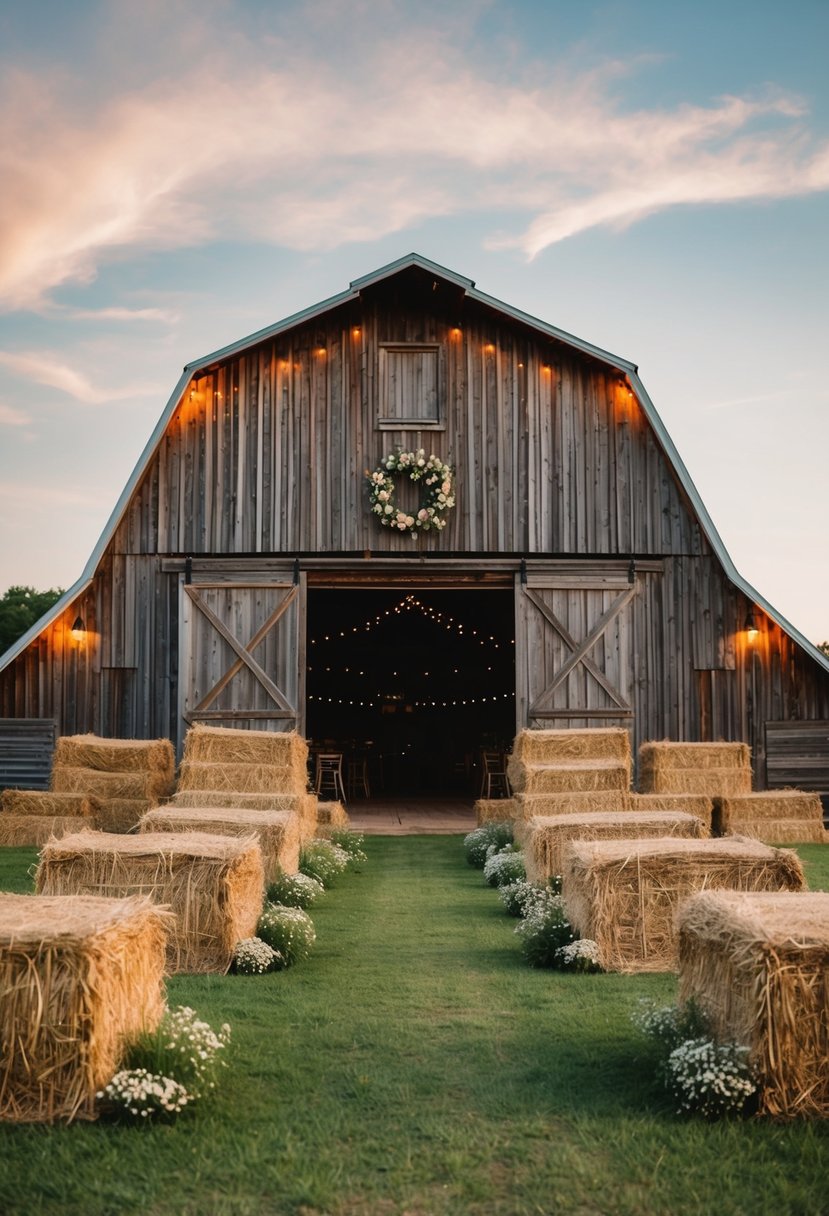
(555, 772)
(625, 893)
(758, 965)
(248, 770)
(276, 831)
(33, 816)
(123, 778)
(711, 769)
(494, 810)
(543, 838)
(331, 816)
(212, 883)
(78, 976)
(775, 816)
(691, 804)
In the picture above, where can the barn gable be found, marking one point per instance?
(251, 496)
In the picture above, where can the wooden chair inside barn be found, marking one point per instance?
(356, 777)
(494, 779)
(329, 776)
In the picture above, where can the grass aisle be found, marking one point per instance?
(414, 1065)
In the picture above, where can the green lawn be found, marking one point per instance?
(416, 1066)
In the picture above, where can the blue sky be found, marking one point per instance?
(651, 177)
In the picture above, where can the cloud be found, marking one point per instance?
(46, 367)
(315, 139)
(12, 417)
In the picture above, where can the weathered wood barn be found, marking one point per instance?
(244, 579)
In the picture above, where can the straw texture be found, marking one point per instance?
(780, 816)
(543, 839)
(692, 804)
(41, 802)
(152, 784)
(117, 814)
(78, 975)
(528, 806)
(115, 755)
(547, 746)
(758, 964)
(332, 815)
(213, 884)
(277, 831)
(17, 830)
(625, 893)
(494, 810)
(711, 769)
(222, 745)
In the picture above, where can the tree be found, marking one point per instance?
(824, 648)
(20, 607)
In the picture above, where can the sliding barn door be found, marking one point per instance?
(574, 648)
(242, 659)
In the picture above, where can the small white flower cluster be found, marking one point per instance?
(289, 931)
(196, 1046)
(252, 956)
(712, 1078)
(350, 842)
(298, 890)
(490, 836)
(137, 1092)
(438, 495)
(323, 860)
(580, 955)
(503, 866)
(543, 908)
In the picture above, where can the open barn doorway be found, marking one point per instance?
(410, 686)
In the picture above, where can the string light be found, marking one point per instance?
(410, 603)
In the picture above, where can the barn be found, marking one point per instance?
(570, 576)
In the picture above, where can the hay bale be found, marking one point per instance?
(694, 768)
(224, 745)
(41, 802)
(303, 805)
(140, 783)
(17, 830)
(494, 810)
(543, 838)
(115, 755)
(78, 976)
(529, 806)
(332, 815)
(625, 893)
(591, 743)
(240, 778)
(277, 831)
(569, 777)
(773, 815)
(692, 804)
(758, 964)
(213, 884)
(117, 814)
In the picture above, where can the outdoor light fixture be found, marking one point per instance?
(78, 630)
(751, 626)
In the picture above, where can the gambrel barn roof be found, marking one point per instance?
(466, 289)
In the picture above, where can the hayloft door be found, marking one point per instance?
(242, 659)
(574, 646)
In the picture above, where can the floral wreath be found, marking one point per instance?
(437, 491)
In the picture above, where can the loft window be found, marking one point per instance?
(409, 385)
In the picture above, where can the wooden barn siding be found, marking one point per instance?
(268, 455)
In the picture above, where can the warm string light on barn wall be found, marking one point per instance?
(410, 603)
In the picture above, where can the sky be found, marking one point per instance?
(651, 177)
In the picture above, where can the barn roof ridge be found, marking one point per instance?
(356, 286)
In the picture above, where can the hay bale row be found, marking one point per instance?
(571, 776)
(543, 839)
(625, 893)
(780, 816)
(494, 810)
(78, 976)
(591, 743)
(213, 884)
(758, 964)
(117, 814)
(529, 806)
(712, 769)
(41, 802)
(227, 745)
(115, 755)
(691, 804)
(304, 805)
(276, 831)
(331, 815)
(19, 830)
(152, 784)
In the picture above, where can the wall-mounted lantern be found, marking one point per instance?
(78, 630)
(751, 628)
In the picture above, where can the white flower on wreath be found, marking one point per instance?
(437, 481)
